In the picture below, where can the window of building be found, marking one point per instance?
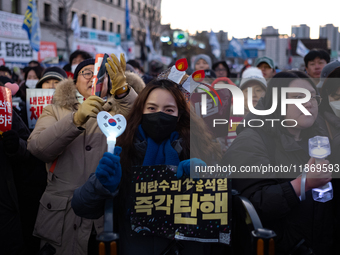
(103, 25)
(119, 3)
(83, 20)
(132, 5)
(47, 12)
(144, 11)
(138, 7)
(72, 15)
(15, 6)
(111, 26)
(94, 23)
(151, 13)
(61, 15)
(118, 28)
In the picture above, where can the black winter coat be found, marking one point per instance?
(272, 195)
(22, 182)
(333, 126)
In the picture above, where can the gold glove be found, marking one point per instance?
(116, 72)
(90, 108)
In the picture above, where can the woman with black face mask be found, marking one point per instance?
(157, 133)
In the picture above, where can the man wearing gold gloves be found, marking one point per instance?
(68, 139)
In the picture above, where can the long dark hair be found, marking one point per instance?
(330, 86)
(37, 69)
(186, 116)
(126, 141)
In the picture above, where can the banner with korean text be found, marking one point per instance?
(36, 100)
(5, 109)
(185, 209)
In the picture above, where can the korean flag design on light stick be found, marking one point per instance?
(112, 127)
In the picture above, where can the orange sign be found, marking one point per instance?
(47, 49)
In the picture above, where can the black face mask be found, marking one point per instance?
(159, 126)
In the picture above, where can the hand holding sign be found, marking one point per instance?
(189, 165)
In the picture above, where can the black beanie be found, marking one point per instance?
(52, 72)
(86, 62)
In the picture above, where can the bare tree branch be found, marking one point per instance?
(149, 17)
(61, 25)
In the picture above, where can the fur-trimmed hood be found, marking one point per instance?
(65, 93)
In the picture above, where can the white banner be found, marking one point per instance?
(36, 100)
(98, 49)
(90, 35)
(11, 26)
(12, 50)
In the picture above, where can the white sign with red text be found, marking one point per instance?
(36, 100)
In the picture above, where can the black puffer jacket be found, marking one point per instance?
(272, 194)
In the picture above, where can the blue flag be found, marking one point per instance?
(236, 49)
(127, 21)
(32, 25)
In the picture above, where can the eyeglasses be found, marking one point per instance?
(314, 99)
(87, 74)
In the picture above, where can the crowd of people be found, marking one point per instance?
(56, 178)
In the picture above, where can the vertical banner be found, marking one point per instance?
(99, 74)
(185, 209)
(32, 25)
(36, 100)
(5, 109)
(127, 21)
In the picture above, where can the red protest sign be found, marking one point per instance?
(5, 109)
(47, 49)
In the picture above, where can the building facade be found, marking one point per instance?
(300, 31)
(276, 46)
(100, 17)
(331, 32)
